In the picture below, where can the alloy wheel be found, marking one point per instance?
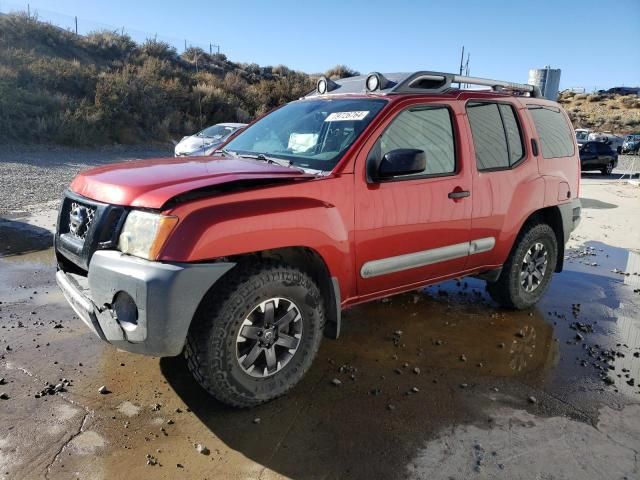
(534, 266)
(269, 337)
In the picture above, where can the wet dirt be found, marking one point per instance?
(443, 365)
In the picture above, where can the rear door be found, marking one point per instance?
(605, 154)
(413, 228)
(506, 182)
(589, 156)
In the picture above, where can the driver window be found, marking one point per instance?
(424, 128)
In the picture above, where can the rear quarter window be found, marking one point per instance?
(554, 133)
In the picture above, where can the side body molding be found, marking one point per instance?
(399, 263)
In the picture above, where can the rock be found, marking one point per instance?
(415, 389)
(4, 396)
(631, 382)
(391, 407)
(501, 345)
(398, 332)
(579, 337)
(155, 407)
(416, 370)
(398, 371)
(170, 422)
(336, 382)
(202, 449)
(609, 381)
(256, 420)
(103, 390)
(3, 381)
(463, 358)
(532, 400)
(463, 385)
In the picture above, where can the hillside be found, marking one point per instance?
(619, 114)
(103, 88)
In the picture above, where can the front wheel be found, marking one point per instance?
(608, 169)
(255, 337)
(527, 272)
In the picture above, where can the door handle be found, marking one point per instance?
(456, 194)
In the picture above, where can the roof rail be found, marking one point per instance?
(435, 82)
(418, 82)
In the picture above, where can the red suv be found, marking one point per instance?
(367, 187)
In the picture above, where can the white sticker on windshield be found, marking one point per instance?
(345, 116)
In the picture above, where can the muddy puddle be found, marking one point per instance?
(410, 367)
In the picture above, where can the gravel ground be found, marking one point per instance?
(32, 175)
(35, 174)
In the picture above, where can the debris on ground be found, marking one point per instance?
(202, 449)
(103, 390)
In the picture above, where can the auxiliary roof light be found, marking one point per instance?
(373, 82)
(376, 81)
(325, 85)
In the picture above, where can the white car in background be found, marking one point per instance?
(206, 141)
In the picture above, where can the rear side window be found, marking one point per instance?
(555, 135)
(424, 128)
(496, 135)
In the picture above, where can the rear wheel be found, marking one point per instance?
(608, 169)
(253, 339)
(527, 272)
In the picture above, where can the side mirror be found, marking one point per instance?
(403, 161)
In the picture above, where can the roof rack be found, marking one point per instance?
(417, 82)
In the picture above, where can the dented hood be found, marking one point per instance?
(152, 183)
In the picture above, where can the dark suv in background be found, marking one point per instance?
(598, 156)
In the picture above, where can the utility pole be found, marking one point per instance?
(76, 20)
(461, 61)
(28, 11)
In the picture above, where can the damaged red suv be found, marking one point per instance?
(367, 187)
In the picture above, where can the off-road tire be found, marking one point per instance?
(211, 344)
(507, 290)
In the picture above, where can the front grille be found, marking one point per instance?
(80, 231)
(85, 226)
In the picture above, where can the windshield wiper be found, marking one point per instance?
(264, 158)
(224, 152)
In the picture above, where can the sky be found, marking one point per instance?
(595, 43)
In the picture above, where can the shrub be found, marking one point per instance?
(341, 71)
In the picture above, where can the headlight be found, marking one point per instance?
(144, 234)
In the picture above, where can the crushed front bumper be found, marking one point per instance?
(166, 296)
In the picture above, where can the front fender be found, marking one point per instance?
(315, 215)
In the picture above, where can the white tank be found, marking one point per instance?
(547, 79)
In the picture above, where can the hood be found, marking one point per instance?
(193, 143)
(151, 183)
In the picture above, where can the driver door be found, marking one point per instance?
(413, 228)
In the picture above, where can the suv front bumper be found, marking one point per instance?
(166, 297)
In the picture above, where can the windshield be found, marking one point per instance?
(582, 135)
(216, 132)
(308, 133)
